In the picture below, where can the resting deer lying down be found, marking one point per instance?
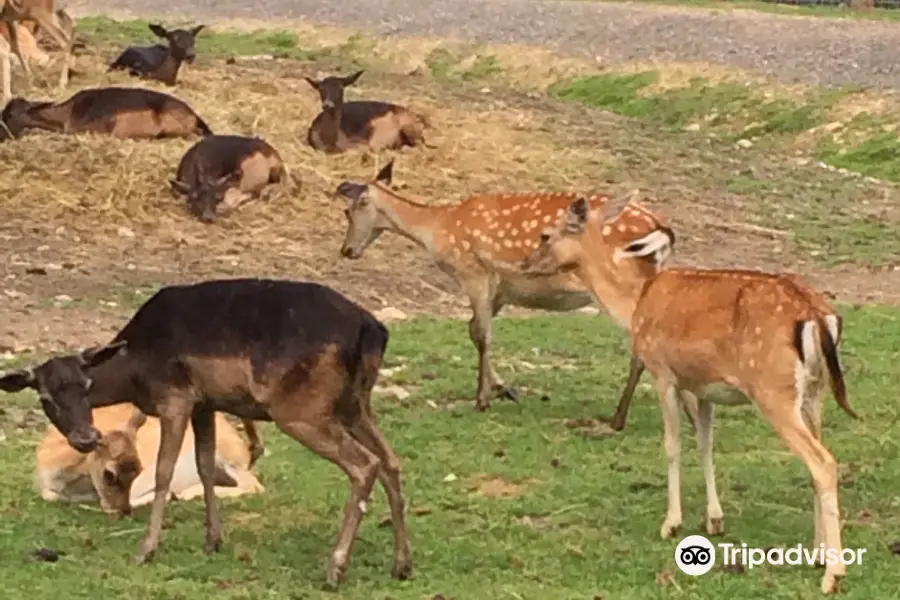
(120, 472)
(767, 338)
(377, 125)
(296, 353)
(119, 112)
(160, 62)
(224, 171)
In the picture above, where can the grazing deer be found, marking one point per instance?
(296, 353)
(767, 336)
(59, 24)
(160, 62)
(480, 242)
(377, 125)
(120, 112)
(224, 171)
(120, 471)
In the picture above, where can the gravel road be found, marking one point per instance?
(818, 51)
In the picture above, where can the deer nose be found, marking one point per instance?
(84, 441)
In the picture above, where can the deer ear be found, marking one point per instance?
(18, 380)
(197, 30)
(100, 354)
(577, 215)
(137, 420)
(351, 79)
(159, 30)
(179, 186)
(312, 82)
(386, 174)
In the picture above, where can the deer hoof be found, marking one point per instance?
(831, 583)
(669, 529)
(715, 526)
(510, 393)
(144, 555)
(212, 545)
(402, 570)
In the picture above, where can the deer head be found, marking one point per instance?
(204, 198)
(115, 464)
(181, 41)
(364, 221)
(63, 387)
(613, 249)
(331, 89)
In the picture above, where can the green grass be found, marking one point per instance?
(592, 527)
(832, 12)
(731, 109)
(877, 157)
(106, 31)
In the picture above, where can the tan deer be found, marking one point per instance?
(767, 336)
(59, 24)
(480, 243)
(120, 472)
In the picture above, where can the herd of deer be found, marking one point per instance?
(303, 356)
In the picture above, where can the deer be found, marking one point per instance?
(224, 171)
(762, 338)
(159, 62)
(27, 46)
(296, 353)
(479, 242)
(59, 24)
(377, 125)
(134, 113)
(119, 472)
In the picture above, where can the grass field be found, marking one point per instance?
(538, 507)
(512, 525)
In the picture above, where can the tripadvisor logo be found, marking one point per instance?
(696, 555)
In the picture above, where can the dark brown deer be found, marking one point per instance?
(377, 125)
(119, 112)
(479, 242)
(763, 338)
(160, 62)
(296, 353)
(224, 171)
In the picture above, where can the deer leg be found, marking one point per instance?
(6, 76)
(780, 412)
(172, 429)
(368, 434)
(203, 422)
(480, 333)
(257, 447)
(332, 441)
(668, 397)
(13, 27)
(66, 43)
(635, 370)
(811, 412)
(715, 518)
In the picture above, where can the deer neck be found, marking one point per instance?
(167, 71)
(413, 221)
(48, 115)
(330, 125)
(618, 295)
(113, 383)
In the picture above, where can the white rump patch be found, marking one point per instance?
(831, 321)
(808, 344)
(656, 244)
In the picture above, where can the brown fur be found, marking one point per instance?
(768, 336)
(222, 172)
(479, 242)
(59, 24)
(120, 112)
(376, 125)
(129, 456)
(296, 353)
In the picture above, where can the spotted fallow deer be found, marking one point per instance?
(480, 242)
(766, 336)
(293, 352)
(59, 24)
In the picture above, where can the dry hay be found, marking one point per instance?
(96, 197)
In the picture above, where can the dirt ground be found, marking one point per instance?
(86, 223)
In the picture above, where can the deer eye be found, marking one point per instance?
(347, 212)
(545, 237)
